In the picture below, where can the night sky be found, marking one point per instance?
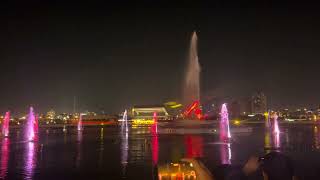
(111, 56)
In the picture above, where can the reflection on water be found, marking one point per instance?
(5, 150)
(124, 151)
(316, 133)
(101, 148)
(30, 159)
(276, 137)
(142, 149)
(225, 153)
(267, 143)
(154, 145)
(194, 146)
(79, 141)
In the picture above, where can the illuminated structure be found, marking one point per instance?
(175, 171)
(51, 114)
(144, 114)
(224, 124)
(5, 124)
(195, 109)
(259, 103)
(191, 89)
(30, 131)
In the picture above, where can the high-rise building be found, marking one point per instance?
(234, 109)
(258, 103)
(51, 114)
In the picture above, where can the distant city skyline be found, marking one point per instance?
(113, 57)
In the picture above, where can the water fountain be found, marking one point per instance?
(276, 131)
(224, 124)
(36, 124)
(124, 142)
(192, 81)
(30, 126)
(267, 119)
(80, 126)
(5, 124)
(124, 122)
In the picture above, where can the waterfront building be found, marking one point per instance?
(146, 112)
(51, 114)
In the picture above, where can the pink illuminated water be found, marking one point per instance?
(154, 140)
(5, 124)
(224, 124)
(5, 150)
(30, 131)
(36, 124)
(30, 160)
(275, 125)
(80, 126)
(276, 131)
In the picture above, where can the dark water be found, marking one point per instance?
(105, 153)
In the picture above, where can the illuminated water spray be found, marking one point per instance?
(5, 124)
(192, 79)
(124, 123)
(267, 119)
(36, 124)
(124, 142)
(80, 126)
(276, 131)
(31, 121)
(224, 123)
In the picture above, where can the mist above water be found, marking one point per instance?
(191, 89)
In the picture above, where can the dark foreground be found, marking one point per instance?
(106, 153)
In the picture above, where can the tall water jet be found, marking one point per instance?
(224, 124)
(124, 122)
(124, 142)
(30, 132)
(276, 131)
(36, 124)
(80, 126)
(191, 89)
(5, 124)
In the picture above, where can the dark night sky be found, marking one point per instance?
(112, 56)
